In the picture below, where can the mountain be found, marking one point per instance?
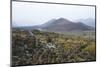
(89, 21)
(59, 25)
(63, 24)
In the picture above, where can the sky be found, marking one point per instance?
(30, 14)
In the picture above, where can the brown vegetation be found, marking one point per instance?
(49, 47)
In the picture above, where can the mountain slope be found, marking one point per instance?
(48, 23)
(63, 24)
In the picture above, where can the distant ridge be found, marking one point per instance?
(88, 21)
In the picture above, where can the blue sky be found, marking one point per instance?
(29, 14)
